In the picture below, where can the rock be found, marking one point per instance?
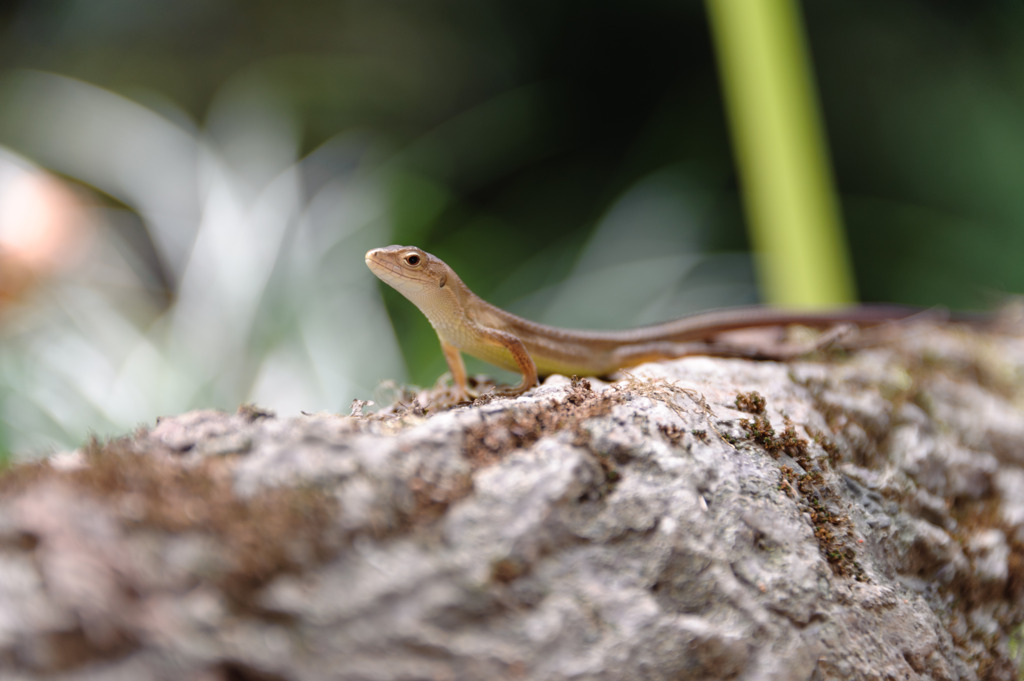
(840, 517)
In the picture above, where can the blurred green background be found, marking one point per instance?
(223, 165)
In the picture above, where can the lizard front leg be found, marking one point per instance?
(457, 367)
(520, 356)
(515, 348)
(526, 365)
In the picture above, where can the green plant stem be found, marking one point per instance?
(783, 163)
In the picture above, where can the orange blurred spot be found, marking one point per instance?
(44, 229)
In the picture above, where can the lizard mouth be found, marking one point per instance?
(383, 264)
(377, 262)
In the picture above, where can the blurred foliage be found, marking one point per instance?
(569, 159)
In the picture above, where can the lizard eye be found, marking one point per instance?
(412, 260)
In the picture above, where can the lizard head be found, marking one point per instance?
(416, 274)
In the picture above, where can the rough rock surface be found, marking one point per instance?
(857, 516)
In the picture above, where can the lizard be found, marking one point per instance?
(466, 323)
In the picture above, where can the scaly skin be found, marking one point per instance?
(464, 322)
